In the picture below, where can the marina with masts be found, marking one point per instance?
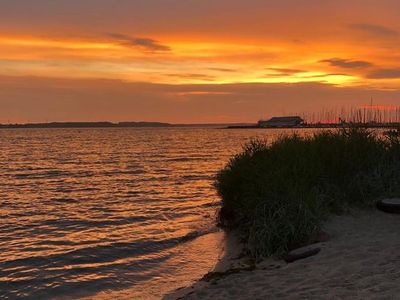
(368, 116)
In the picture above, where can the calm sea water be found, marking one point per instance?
(101, 213)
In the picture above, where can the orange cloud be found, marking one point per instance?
(202, 93)
(148, 60)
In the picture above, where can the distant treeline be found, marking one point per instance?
(86, 125)
(109, 125)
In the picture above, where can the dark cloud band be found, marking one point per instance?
(347, 63)
(143, 43)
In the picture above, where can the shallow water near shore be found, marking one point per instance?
(100, 213)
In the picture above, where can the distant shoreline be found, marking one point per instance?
(61, 125)
(118, 125)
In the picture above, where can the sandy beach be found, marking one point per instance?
(360, 261)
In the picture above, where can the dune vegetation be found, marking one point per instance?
(279, 194)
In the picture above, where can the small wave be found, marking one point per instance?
(123, 172)
(70, 224)
(64, 200)
(198, 177)
(184, 159)
(87, 189)
(132, 193)
(102, 253)
(40, 175)
(53, 282)
(131, 172)
(197, 233)
(211, 204)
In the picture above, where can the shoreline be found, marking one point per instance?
(360, 261)
(229, 258)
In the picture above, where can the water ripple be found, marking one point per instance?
(84, 211)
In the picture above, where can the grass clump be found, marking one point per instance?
(278, 195)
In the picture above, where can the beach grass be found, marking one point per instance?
(279, 194)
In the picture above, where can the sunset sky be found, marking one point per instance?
(194, 60)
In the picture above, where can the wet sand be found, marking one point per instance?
(360, 261)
